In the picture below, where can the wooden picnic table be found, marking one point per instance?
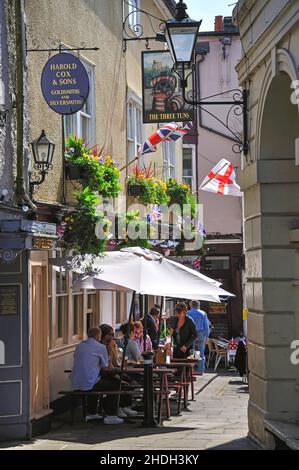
(163, 391)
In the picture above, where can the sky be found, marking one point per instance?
(206, 10)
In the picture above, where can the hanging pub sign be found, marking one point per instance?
(162, 97)
(65, 83)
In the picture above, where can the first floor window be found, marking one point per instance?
(82, 123)
(169, 158)
(134, 132)
(188, 167)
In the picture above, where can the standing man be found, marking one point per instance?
(153, 326)
(201, 321)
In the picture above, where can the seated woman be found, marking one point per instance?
(136, 339)
(183, 331)
(114, 361)
(124, 334)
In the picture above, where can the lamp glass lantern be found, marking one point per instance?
(181, 37)
(43, 151)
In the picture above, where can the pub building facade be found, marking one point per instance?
(43, 317)
(270, 182)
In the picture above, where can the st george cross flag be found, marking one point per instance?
(170, 131)
(222, 180)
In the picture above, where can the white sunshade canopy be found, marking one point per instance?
(143, 271)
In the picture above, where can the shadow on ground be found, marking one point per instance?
(244, 443)
(96, 433)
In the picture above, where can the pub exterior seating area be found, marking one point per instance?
(157, 379)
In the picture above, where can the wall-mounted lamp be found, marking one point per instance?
(42, 150)
(4, 194)
(225, 41)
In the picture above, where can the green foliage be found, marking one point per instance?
(151, 190)
(80, 232)
(133, 220)
(181, 194)
(164, 333)
(100, 173)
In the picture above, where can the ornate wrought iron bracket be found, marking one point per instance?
(55, 45)
(135, 32)
(43, 170)
(3, 116)
(238, 106)
(9, 256)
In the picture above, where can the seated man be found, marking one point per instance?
(89, 358)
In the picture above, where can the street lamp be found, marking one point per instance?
(181, 34)
(42, 150)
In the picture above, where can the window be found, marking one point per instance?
(82, 123)
(77, 314)
(188, 166)
(133, 6)
(61, 305)
(169, 159)
(91, 313)
(58, 286)
(61, 318)
(134, 127)
(216, 262)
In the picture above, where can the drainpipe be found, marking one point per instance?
(202, 58)
(20, 186)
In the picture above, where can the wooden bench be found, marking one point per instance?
(84, 394)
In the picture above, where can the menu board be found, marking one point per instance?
(217, 308)
(9, 295)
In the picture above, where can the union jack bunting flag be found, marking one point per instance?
(196, 263)
(222, 180)
(154, 214)
(170, 131)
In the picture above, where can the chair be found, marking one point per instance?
(212, 351)
(220, 351)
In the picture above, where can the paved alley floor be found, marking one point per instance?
(216, 420)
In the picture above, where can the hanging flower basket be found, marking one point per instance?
(74, 172)
(97, 171)
(134, 189)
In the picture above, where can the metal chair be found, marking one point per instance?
(212, 351)
(221, 352)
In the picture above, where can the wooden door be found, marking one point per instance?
(39, 342)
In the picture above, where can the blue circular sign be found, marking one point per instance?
(65, 83)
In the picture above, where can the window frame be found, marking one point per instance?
(73, 123)
(191, 147)
(135, 134)
(169, 159)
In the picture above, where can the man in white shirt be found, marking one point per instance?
(89, 358)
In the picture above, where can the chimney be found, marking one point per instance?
(218, 23)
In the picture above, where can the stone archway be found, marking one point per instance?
(272, 262)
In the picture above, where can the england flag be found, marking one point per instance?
(222, 180)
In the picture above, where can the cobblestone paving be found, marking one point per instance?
(216, 420)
